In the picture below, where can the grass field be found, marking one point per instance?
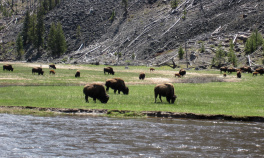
(228, 96)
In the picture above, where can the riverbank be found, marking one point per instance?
(122, 113)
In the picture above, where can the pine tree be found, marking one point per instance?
(52, 39)
(40, 29)
(60, 40)
(231, 55)
(32, 29)
(19, 46)
(253, 42)
(181, 53)
(174, 4)
(219, 56)
(26, 26)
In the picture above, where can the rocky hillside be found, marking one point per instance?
(150, 32)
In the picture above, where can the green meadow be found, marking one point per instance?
(218, 95)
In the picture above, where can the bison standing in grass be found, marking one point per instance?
(166, 90)
(224, 68)
(177, 75)
(151, 69)
(37, 70)
(52, 66)
(95, 91)
(117, 84)
(182, 72)
(231, 69)
(238, 74)
(52, 72)
(142, 76)
(109, 70)
(260, 70)
(77, 74)
(8, 67)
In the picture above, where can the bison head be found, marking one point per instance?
(126, 90)
(174, 97)
(104, 99)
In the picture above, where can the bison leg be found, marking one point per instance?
(115, 91)
(86, 98)
(156, 97)
(107, 88)
(119, 92)
(94, 99)
(160, 98)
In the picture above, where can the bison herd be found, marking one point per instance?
(98, 91)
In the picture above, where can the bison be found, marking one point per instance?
(231, 69)
(37, 70)
(255, 73)
(77, 74)
(223, 68)
(109, 70)
(52, 72)
(8, 67)
(238, 74)
(178, 75)
(52, 66)
(224, 75)
(151, 69)
(117, 84)
(182, 72)
(95, 91)
(260, 70)
(142, 76)
(246, 69)
(166, 90)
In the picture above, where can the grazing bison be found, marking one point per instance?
(142, 76)
(52, 72)
(260, 70)
(223, 68)
(77, 74)
(246, 69)
(8, 67)
(95, 91)
(117, 84)
(151, 69)
(255, 73)
(37, 70)
(224, 74)
(178, 75)
(182, 72)
(231, 69)
(109, 70)
(166, 90)
(238, 74)
(52, 66)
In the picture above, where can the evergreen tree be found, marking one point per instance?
(181, 53)
(32, 29)
(219, 57)
(25, 31)
(78, 31)
(40, 29)
(19, 46)
(253, 42)
(52, 40)
(60, 40)
(231, 55)
(174, 4)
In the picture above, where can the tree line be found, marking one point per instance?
(33, 32)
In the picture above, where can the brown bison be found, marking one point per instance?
(166, 90)
(52, 66)
(8, 67)
(223, 68)
(246, 69)
(238, 74)
(231, 69)
(52, 72)
(142, 76)
(224, 75)
(117, 84)
(260, 70)
(77, 74)
(109, 70)
(37, 70)
(255, 73)
(151, 69)
(178, 75)
(182, 72)
(95, 91)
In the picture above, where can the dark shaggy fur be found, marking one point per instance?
(166, 90)
(95, 91)
(117, 84)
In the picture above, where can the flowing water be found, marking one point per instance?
(87, 136)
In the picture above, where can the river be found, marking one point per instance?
(89, 136)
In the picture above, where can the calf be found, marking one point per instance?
(151, 69)
(178, 75)
(52, 72)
